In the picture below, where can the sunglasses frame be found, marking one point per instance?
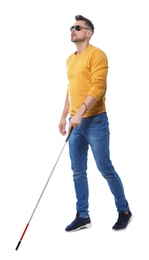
(78, 28)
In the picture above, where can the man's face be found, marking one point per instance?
(79, 32)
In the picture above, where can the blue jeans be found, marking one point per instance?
(93, 132)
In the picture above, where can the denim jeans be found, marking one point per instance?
(93, 132)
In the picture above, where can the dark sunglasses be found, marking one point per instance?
(78, 28)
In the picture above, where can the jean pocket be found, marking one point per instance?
(95, 119)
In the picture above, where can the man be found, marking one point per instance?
(85, 102)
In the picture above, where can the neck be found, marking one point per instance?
(81, 46)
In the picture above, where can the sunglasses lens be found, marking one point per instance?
(78, 28)
(71, 28)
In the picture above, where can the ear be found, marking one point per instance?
(89, 33)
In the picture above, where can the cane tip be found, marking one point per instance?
(18, 245)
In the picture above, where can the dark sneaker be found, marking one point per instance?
(79, 223)
(123, 221)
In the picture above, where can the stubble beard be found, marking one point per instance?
(75, 40)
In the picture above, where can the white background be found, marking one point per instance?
(34, 45)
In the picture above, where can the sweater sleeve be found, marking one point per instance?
(99, 70)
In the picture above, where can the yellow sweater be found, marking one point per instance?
(87, 75)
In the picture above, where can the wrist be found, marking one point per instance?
(85, 107)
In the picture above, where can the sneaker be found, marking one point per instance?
(123, 221)
(79, 223)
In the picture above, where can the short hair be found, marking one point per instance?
(87, 21)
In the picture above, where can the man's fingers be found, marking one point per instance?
(62, 130)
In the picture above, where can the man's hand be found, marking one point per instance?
(75, 121)
(62, 127)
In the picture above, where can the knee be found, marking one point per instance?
(79, 175)
(107, 171)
